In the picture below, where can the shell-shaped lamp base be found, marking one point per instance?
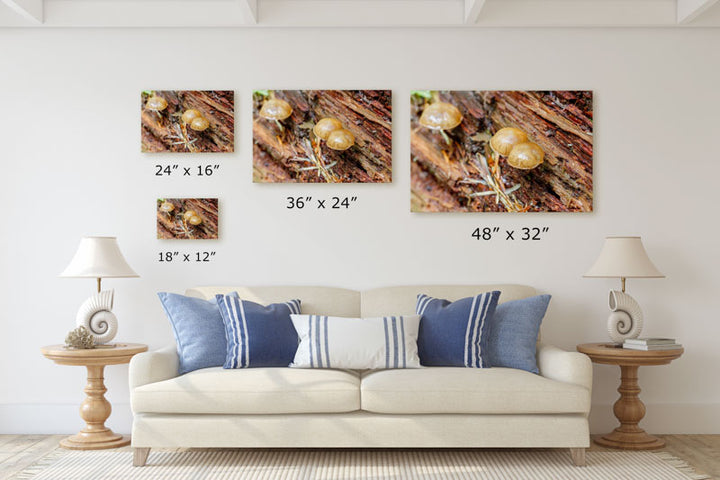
(96, 315)
(626, 319)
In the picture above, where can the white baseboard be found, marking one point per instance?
(664, 418)
(55, 418)
(65, 419)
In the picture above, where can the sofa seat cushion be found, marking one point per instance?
(252, 391)
(469, 390)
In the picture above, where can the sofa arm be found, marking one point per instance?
(563, 366)
(151, 367)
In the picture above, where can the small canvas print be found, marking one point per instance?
(501, 151)
(187, 218)
(322, 136)
(191, 121)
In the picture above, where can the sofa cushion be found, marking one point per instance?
(258, 335)
(513, 333)
(198, 329)
(358, 343)
(251, 391)
(454, 334)
(469, 390)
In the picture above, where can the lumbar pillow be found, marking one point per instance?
(198, 328)
(513, 333)
(454, 334)
(257, 335)
(357, 343)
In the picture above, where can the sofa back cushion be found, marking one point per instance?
(401, 300)
(315, 300)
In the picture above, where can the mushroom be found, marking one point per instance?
(167, 207)
(526, 155)
(340, 139)
(195, 220)
(506, 138)
(441, 116)
(189, 115)
(276, 110)
(326, 126)
(189, 214)
(156, 104)
(199, 124)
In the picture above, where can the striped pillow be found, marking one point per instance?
(257, 335)
(454, 334)
(356, 343)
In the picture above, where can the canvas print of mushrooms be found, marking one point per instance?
(501, 151)
(322, 136)
(187, 218)
(193, 121)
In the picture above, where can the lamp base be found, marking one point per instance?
(626, 319)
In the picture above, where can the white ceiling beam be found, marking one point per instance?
(148, 13)
(29, 9)
(472, 10)
(250, 8)
(689, 10)
(578, 13)
(360, 13)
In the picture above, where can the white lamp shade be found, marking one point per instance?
(98, 257)
(623, 257)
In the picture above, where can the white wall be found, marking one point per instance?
(69, 132)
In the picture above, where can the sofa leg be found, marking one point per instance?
(140, 456)
(578, 456)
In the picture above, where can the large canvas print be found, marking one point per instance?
(192, 121)
(187, 218)
(322, 136)
(502, 151)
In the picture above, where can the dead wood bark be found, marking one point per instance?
(165, 132)
(294, 154)
(560, 122)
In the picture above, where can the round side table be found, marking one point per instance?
(95, 409)
(629, 410)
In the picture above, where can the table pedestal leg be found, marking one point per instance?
(629, 410)
(95, 409)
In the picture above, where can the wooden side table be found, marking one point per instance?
(95, 409)
(629, 410)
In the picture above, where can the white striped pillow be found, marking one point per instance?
(356, 343)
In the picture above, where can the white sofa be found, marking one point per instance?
(434, 407)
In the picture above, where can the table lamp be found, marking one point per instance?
(98, 257)
(623, 257)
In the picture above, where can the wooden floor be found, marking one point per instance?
(20, 451)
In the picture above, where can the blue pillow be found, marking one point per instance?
(513, 333)
(455, 334)
(258, 336)
(199, 331)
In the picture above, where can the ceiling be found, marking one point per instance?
(359, 13)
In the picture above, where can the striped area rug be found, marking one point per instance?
(357, 464)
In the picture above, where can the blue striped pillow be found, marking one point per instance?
(454, 334)
(356, 343)
(257, 335)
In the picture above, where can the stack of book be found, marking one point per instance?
(651, 344)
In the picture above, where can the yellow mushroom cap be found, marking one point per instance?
(188, 214)
(326, 126)
(340, 139)
(275, 109)
(506, 138)
(195, 220)
(199, 124)
(156, 103)
(526, 155)
(189, 114)
(441, 116)
(167, 207)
